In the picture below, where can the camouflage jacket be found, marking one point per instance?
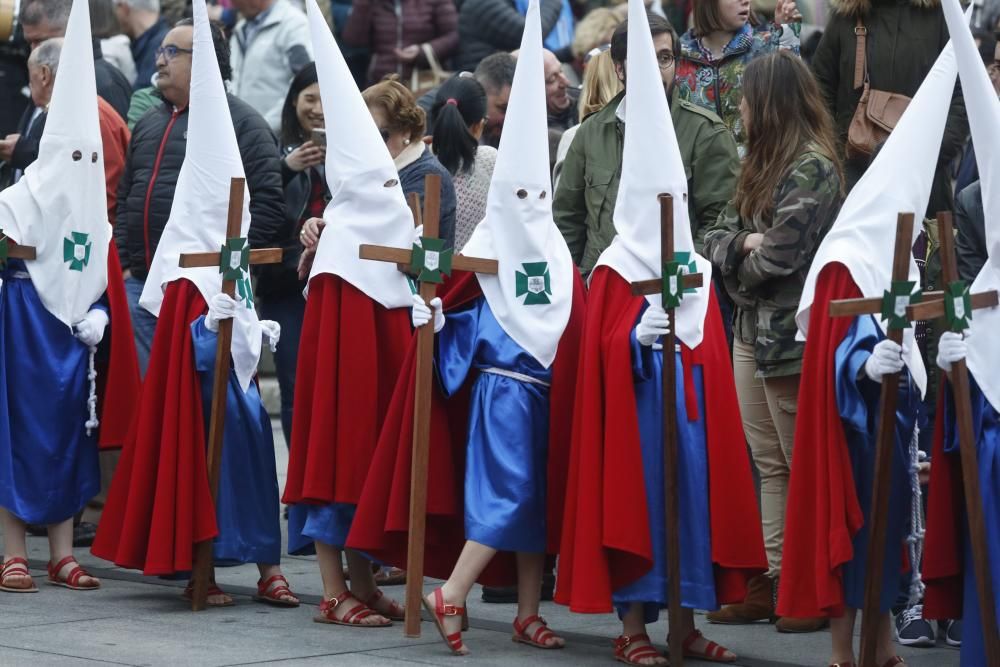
(766, 285)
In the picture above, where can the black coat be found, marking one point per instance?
(111, 83)
(488, 26)
(158, 144)
(26, 148)
(970, 240)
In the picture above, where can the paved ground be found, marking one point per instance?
(134, 620)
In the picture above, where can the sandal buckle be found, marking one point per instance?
(449, 610)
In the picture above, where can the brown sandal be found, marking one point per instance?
(396, 612)
(632, 656)
(353, 617)
(540, 638)
(72, 580)
(277, 596)
(16, 567)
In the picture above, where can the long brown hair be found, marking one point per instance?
(787, 117)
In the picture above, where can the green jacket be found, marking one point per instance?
(766, 285)
(588, 184)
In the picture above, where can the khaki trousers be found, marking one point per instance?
(768, 408)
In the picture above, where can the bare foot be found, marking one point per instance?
(278, 590)
(385, 605)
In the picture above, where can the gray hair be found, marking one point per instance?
(53, 12)
(47, 54)
(142, 5)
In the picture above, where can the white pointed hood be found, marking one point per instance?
(651, 165)
(983, 109)
(60, 205)
(200, 209)
(532, 295)
(367, 204)
(863, 236)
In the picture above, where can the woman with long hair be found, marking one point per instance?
(787, 197)
(458, 117)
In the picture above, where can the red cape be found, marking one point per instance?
(823, 512)
(118, 378)
(159, 505)
(114, 141)
(350, 355)
(381, 524)
(606, 541)
(944, 565)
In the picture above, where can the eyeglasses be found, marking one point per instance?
(665, 60)
(170, 51)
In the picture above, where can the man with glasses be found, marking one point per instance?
(153, 162)
(588, 185)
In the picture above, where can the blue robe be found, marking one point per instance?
(246, 507)
(858, 401)
(48, 464)
(697, 572)
(507, 447)
(986, 426)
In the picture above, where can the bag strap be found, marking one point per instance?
(860, 55)
(432, 61)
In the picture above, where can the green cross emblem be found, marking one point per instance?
(957, 306)
(535, 283)
(76, 251)
(896, 300)
(673, 274)
(234, 264)
(3, 250)
(432, 260)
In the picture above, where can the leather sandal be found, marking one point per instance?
(439, 611)
(278, 596)
(352, 618)
(16, 567)
(540, 638)
(396, 612)
(72, 580)
(213, 591)
(628, 652)
(713, 652)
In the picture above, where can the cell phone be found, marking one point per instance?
(318, 137)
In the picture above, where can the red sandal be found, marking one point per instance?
(632, 656)
(439, 611)
(352, 618)
(16, 567)
(72, 580)
(713, 652)
(213, 591)
(396, 611)
(277, 596)
(541, 636)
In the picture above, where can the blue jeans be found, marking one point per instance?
(143, 321)
(288, 311)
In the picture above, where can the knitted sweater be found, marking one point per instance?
(471, 189)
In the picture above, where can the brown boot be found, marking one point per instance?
(801, 625)
(757, 606)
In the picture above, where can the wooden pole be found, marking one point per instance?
(959, 379)
(885, 443)
(203, 568)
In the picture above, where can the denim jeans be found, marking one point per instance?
(143, 321)
(288, 311)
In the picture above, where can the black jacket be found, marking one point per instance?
(488, 26)
(26, 148)
(111, 83)
(153, 162)
(970, 239)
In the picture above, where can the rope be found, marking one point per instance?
(93, 422)
(915, 540)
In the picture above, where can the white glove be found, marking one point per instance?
(272, 333)
(418, 231)
(951, 348)
(220, 307)
(90, 330)
(421, 313)
(886, 358)
(653, 324)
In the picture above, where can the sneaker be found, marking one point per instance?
(912, 629)
(952, 631)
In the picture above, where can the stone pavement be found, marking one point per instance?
(136, 620)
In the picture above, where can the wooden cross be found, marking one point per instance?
(11, 250)
(432, 262)
(957, 307)
(203, 562)
(671, 285)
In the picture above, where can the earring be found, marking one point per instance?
(406, 142)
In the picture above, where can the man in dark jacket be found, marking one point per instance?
(153, 162)
(141, 21)
(904, 38)
(970, 225)
(44, 19)
(488, 26)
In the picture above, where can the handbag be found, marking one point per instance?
(878, 110)
(424, 79)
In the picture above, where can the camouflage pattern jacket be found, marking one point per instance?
(766, 284)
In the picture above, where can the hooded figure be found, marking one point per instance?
(159, 505)
(952, 590)
(505, 357)
(354, 336)
(614, 542)
(826, 536)
(52, 309)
